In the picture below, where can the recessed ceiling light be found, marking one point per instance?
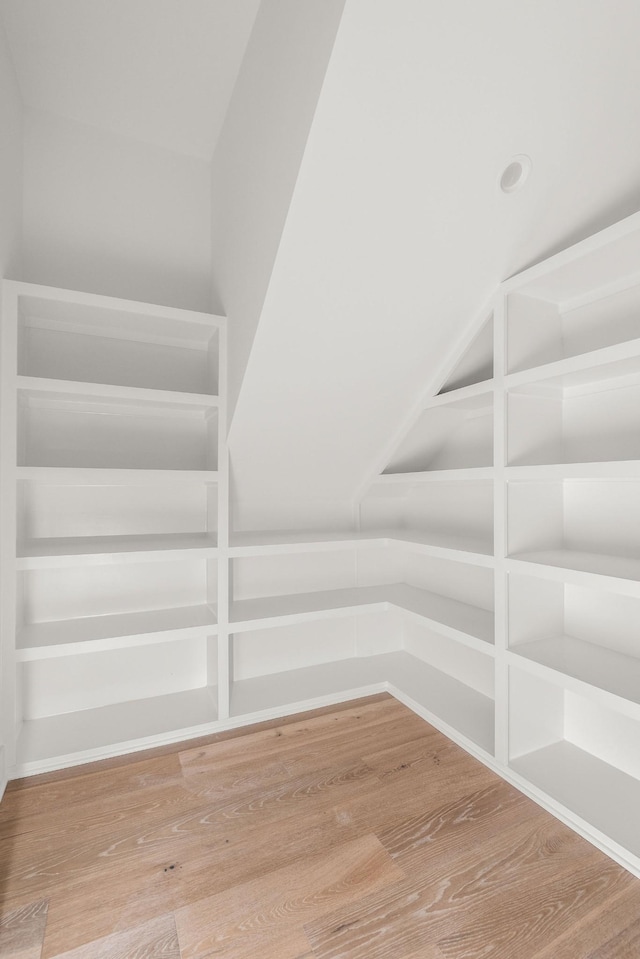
(515, 174)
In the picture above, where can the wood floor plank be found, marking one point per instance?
(453, 825)
(265, 917)
(157, 939)
(25, 798)
(535, 914)
(583, 936)
(449, 887)
(22, 931)
(624, 945)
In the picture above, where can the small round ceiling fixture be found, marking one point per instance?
(515, 174)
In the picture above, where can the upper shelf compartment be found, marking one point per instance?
(96, 340)
(448, 435)
(79, 431)
(589, 301)
(587, 416)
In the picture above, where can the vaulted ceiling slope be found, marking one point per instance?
(158, 71)
(397, 232)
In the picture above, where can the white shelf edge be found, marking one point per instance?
(574, 364)
(484, 387)
(608, 469)
(121, 630)
(466, 474)
(90, 476)
(414, 541)
(522, 563)
(130, 394)
(76, 297)
(94, 552)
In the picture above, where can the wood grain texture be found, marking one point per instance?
(155, 940)
(356, 831)
(265, 916)
(22, 931)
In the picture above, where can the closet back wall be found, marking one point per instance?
(108, 214)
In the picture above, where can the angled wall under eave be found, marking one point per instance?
(258, 156)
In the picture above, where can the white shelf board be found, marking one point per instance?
(96, 550)
(586, 668)
(91, 634)
(72, 738)
(463, 549)
(588, 565)
(584, 363)
(86, 476)
(59, 298)
(602, 796)
(261, 543)
(467, 549)
(460, 621)
(269, 611)
(75, 390)
(467, 475)
(610, 469)
(482, 389)
(458, 709)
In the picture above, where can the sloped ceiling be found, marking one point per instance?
(398, 233)
(159, 71)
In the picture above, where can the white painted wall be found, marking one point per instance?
(104, 213)
(10, 220)
(258, 156)
(397, 232)
(159, 71)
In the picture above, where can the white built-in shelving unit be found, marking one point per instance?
(492, 582)
(113, 514)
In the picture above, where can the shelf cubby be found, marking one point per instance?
(62, 430)
(451, 684)
(85, 592)
(587, 636)
(586, 525)
(67, 739)
(86, 339)
(54, 510)
(448, 516)
(589, 415)
(451, 433)
(581, 754)
(581, 303)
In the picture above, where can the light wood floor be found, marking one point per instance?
(357, 832)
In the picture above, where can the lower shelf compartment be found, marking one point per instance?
(589, 665)
(601, 795)
(73, 738)
(458, 709)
